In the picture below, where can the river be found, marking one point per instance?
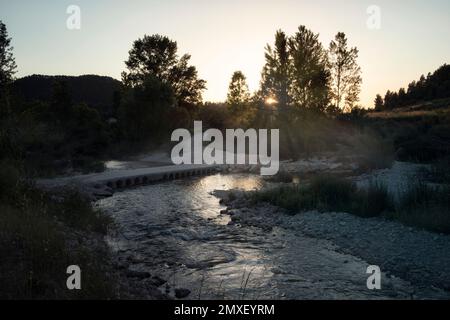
(175, 230)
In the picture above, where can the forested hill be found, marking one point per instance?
(434, 86)
(95, 91)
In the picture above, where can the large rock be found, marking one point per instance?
(182, 293)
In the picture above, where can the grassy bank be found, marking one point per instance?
(421, 206)
(42, 234)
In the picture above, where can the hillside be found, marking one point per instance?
(95, 91)
(419, 132)
(434, 86)
(430, 108)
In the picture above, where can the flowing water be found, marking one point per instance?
(175, 230)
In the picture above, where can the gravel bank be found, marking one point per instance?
(417, 256)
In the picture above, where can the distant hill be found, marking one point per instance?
(95, 91)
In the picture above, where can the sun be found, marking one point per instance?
(271, 101)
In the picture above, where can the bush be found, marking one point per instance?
(440, 170)
(76, 211)
(375, 200)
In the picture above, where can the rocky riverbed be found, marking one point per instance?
(418, 257)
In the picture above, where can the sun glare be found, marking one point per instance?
(271, 101)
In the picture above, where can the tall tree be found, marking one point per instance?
(379, 103)
(275, 82)
(238, 93)
(310, 75)
(143, 113)
(7, 61)
(7, 67)
(156, 56)
(345, 73)
(402, 97)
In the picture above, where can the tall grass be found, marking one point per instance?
(421, 206)
(425, 207)
(41, 236)
(329, 193)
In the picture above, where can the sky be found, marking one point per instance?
(228, 35)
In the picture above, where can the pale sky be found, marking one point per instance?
(224, 36)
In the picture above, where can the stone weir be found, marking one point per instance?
(105, 183)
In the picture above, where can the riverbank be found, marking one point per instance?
(414, 255)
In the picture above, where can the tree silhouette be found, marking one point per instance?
(7, 68)
(7, 61)
(275, 81)
(144, 109)
(156, 56)
(345, 73)
(238, 93)
(379, 103)
(435, 85)
(310, 76)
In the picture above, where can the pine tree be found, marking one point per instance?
(379, 103)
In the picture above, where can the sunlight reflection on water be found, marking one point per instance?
(178, 225)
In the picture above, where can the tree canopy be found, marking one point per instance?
(157, 56)
(300, 73)
(238, 92)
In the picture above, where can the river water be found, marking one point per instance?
(175, 230)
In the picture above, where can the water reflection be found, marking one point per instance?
(195, 247)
